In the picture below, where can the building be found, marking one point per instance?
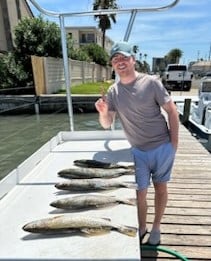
(82, 35)
(158, 64)
(201, 67)
(11, 11)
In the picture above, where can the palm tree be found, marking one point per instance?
(145, 56)
(174, 55)
(105, 20)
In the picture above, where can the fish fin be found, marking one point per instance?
(127, 230)
(106, 205)
(131, 167)
(95, 231)
(131, 184)
(89, 163)
(106, 218)
(129, 201)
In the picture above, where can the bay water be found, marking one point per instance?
(22, 135)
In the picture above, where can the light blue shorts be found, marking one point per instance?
(155, 164)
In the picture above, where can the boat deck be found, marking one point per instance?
(26, 193)
(29, 200)
(186, 225)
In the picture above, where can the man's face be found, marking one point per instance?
(122, 64)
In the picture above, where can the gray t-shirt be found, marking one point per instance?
(138, 107)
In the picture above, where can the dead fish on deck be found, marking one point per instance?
(72, 224)
(89, 163)
(93, 184)
(90, 173)
(90, 201)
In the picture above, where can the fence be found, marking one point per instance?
(49, 73)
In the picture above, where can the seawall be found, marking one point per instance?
(21, 104)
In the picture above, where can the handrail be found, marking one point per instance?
(103, 11)
(61, 17)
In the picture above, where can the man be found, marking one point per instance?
(137, 100)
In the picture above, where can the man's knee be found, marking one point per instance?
(160, 188)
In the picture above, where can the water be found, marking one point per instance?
(21, 135)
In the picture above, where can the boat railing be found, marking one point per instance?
(133, 11)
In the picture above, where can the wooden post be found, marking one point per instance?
(38, 74)
(186, 110)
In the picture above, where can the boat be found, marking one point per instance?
(27, 191)
(199, 112)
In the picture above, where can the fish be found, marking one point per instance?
(72, 224)
(89, 163)
(81, 173)
(94, 184)
(90, 201)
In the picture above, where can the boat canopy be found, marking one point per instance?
(133, 11)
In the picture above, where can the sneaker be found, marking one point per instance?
(154, 238)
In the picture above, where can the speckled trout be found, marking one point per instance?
(90, 173)
(73, 224)
(90, 201)
(90, 163)
(93, 184)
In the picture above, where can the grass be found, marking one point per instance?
(89, 88)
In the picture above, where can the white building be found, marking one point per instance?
(82, 35)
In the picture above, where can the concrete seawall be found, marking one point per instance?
(21, 104)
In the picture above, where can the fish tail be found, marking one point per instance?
(127, 230)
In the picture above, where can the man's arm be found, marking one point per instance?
(173, 120)
(106, 117)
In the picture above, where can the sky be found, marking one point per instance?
(186, 26)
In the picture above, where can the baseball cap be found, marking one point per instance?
(123, 48)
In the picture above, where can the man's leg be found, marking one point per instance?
(161, 198)
(142, 210)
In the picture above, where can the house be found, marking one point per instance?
(11, 11)
(82, 35)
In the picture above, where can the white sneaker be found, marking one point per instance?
(154, 238)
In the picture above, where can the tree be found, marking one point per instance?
(105, 20)
(34, 36)
(96, 53)
(173, 56)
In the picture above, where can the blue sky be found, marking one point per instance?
(186, 26)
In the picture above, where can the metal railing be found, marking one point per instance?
(61, 16)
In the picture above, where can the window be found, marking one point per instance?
(87, 38)
(177, 68)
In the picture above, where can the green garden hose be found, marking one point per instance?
(166, 250)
